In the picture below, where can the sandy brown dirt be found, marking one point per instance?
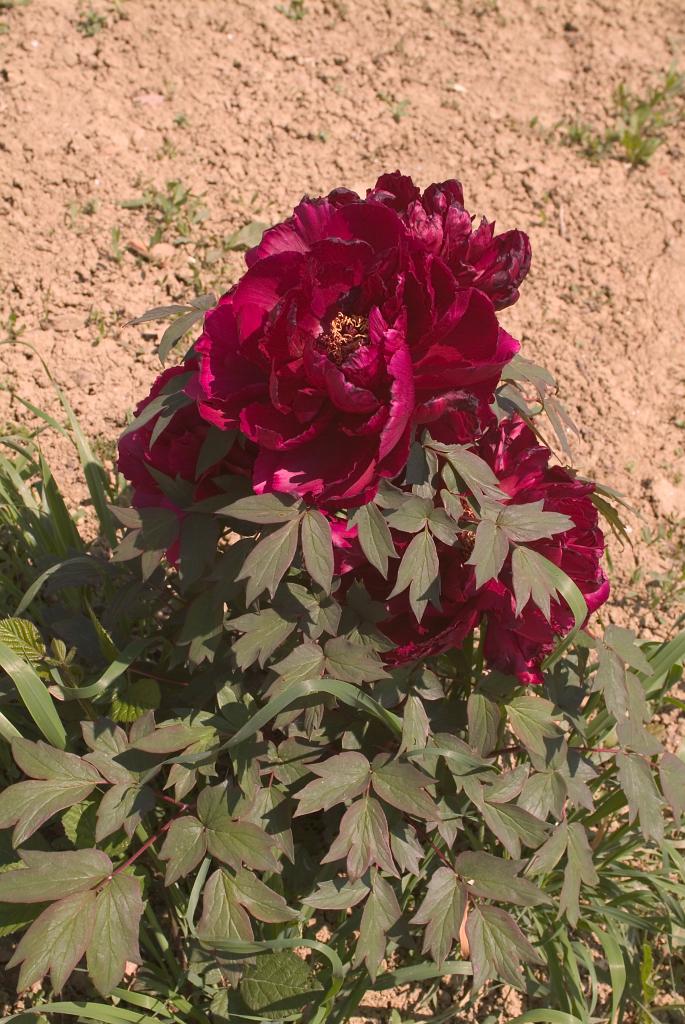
(250, 108)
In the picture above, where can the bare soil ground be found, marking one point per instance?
(248, 105)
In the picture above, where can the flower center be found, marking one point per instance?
(344, 335)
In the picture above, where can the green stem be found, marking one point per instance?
(163, 943)
(343, 1013)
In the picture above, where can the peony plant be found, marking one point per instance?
(355, 704)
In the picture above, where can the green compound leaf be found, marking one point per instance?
(49, 876)
(268, 562)
(184, 847)
(672, 776)
(342, 777)
(352, 662)
(317, 548)
(264, 509)
(497, 879)
(420, 571)
(56, 941)
(530, 719)
(364, 839)
(484, 719)
(278, 984)
(579, 869)
(374, 537)
(489, 551)
(442, 911)
(118, 910)
(403, 786)
(644, 799)
(380, 913)
(263, 633)
(497, 946)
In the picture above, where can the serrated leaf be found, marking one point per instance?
(489, 553)
(403, 786)
(133, 701)
(269, 560)
(263, 633)
(497, 946)
(49, 876)
(342, 777)
(264, 509)
(442, 911)
(260, 900)
(644, 799)
(222, 915)
(337, 894)
(184, 847)
(118, 910)
(364, 839)
(374, 537)
(420, 571)
(23, 638)
(352, 662)
(278, 985)
(317, 548)
(672, 776)
(380, 913)
(579, 869)
(56, 941)
(484, 719)
(497, 879)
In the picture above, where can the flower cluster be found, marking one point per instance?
(360, 326)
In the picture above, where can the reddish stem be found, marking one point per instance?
(160, 679)
(146, 845)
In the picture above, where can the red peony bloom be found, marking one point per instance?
(175, 450)
(355, 321)
(513, 644)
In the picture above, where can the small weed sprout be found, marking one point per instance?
(91, 22)
(640, 123)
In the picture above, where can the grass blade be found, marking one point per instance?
(36, 698)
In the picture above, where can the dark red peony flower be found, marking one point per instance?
(439, 224)
(513, 644)
(174, 449)
(355, 321)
